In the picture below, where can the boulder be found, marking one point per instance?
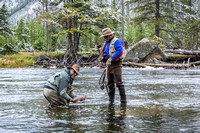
(145, 51)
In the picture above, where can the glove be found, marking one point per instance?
(74, 100)
(108, 62)
(82, 98)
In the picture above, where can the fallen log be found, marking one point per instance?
(181, 51)
(133, 64)
(195, 63)
(169, 65)
(166, 65)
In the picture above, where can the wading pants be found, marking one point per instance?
(114, 75)
(53, 97)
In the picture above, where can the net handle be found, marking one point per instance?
(105, 76)
(104, 82)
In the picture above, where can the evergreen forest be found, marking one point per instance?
(75, 25)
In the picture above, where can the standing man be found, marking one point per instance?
(112, 53)
(58, 89)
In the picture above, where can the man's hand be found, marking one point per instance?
(108, 62)
(74, 100)
(82, 98)
(97, 46)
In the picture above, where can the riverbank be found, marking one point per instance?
(46, 60)
(21, 59)
(89, 59)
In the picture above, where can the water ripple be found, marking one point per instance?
(160, 100)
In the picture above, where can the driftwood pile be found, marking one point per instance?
(191, 59)
(61, 61)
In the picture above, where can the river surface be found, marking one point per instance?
(160, 100)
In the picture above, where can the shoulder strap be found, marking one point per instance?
(113, 41)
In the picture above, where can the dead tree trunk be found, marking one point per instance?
(167, 65)
(197, 41)
(47, 28)
(157, 14)
(186, 52)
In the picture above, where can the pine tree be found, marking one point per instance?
(4, 25)
(151, 11)
(6, 38)
(21, 30)
(78, 18)
(171, 17)
(159, 12)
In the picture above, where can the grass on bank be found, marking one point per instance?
(21, 59)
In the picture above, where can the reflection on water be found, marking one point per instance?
(158, 101)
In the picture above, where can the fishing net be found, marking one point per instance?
(102, 79)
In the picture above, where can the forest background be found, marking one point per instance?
(74, 26)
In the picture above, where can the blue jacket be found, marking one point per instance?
(118, 47)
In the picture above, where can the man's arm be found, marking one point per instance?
(70, 92)
(63, 85)
(119, 50)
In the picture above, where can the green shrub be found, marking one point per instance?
(39, 44)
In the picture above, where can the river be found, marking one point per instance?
(160, 100)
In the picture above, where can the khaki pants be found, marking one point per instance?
(53, 97)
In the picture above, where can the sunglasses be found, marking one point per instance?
(75, 72)
(105, 37)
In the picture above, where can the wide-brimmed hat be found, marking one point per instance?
(107, 32)
(76, 68)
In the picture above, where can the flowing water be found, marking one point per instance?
(159, 100)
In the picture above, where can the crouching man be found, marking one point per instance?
(58, 89)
